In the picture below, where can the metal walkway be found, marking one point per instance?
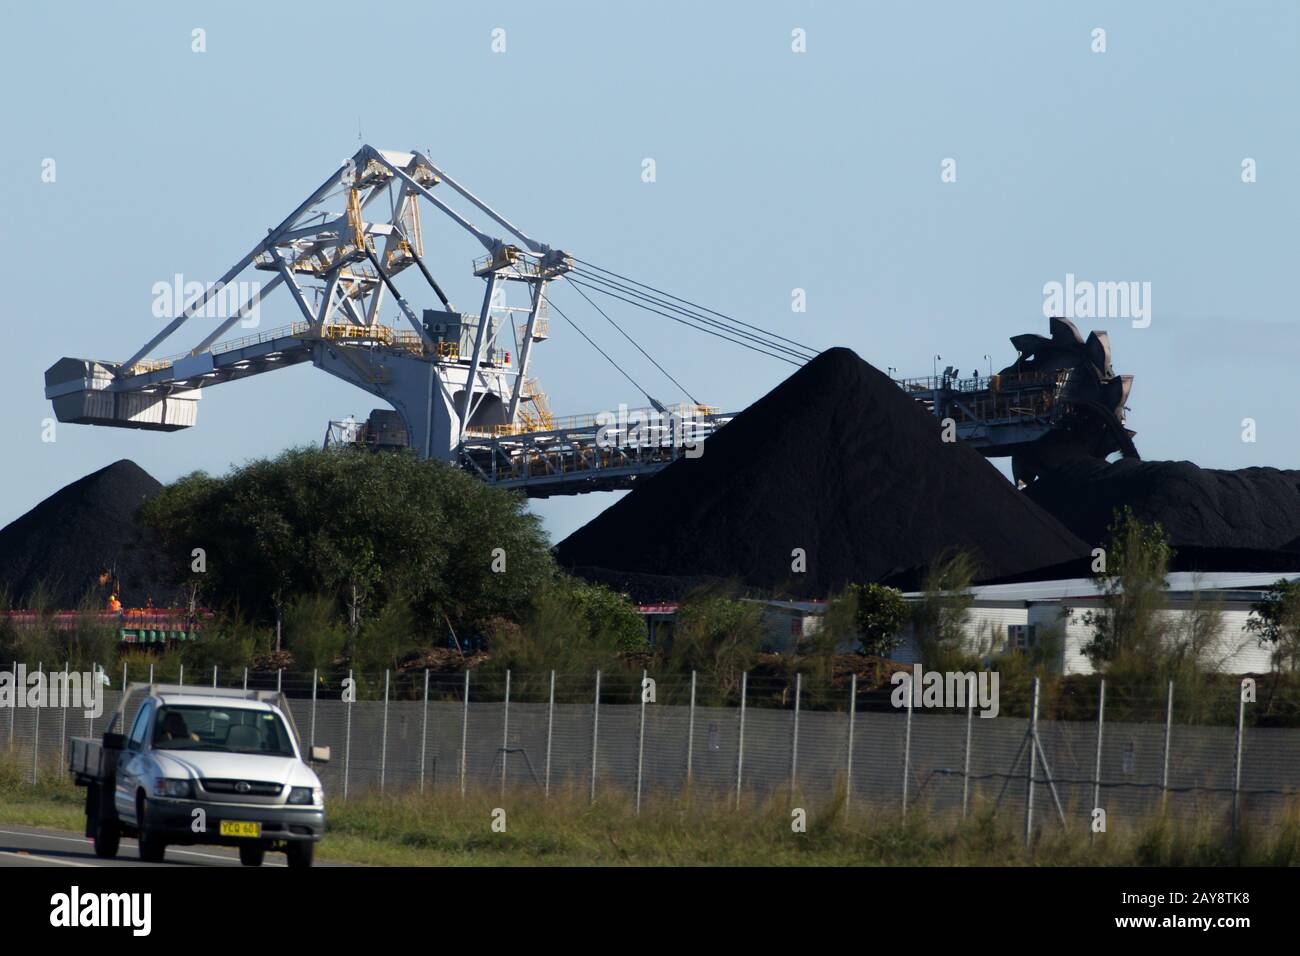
(995, 421)
(609, 451)
(590, 455)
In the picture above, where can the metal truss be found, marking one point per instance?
(338, 254)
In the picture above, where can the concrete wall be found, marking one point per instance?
(1240, 648)
(1237, 650)
(986, 631)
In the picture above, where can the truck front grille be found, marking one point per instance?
(243, 788)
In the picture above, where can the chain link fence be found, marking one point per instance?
(648, 737)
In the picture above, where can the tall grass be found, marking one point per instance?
(441, 827)
(444, 828)
(52, 800)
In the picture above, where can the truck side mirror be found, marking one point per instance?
(114, 741)
(320, 755)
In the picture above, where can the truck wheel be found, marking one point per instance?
(107, 838)
(300, 855)
(152, 847)
(251, 854)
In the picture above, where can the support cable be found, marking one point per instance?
(685, 391)
(682, 321)
(693, 305)
(642, 299)
(601, 351)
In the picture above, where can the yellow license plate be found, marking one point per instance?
(240, 828)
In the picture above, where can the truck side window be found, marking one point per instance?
(136, 740)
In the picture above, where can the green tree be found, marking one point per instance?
(387, 637)
(366, 529)
(1128, 625)
(941, 613)
(573, 627)
(1136, 640)
(610, 615)
(229, 643)
(1275, 621)
(313, 631)
(185, 502)
(880, 616)
(718, 636)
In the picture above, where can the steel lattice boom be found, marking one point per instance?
(449, 374)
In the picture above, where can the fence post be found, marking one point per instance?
(1101, 724)
(640, 745)
(690, 732)
(90, 721)
(464, 734)
(214, 675)
(505, 733)
(1031, 767)
(36, 734)
(150, 673)
(550, 726)
(63, 703)
(315, 678)
(794, 737)
(279, 678)
(245, 678)
(347, 738)
(424, 729)
(180, 679)
(848, 754)
(965, 765)
(96, 673)
(13, 711)
(383, 740)
(740, 745)
(1236, 770)
(907, 741)
(1164, 776)
(595, 730)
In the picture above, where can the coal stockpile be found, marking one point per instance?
(839, 462)
(1253, 509)
(77, 541)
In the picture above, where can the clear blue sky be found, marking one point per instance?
(775, 170)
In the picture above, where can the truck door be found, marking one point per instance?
(129, 766)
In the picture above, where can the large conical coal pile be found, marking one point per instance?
(836, 461)
(1249, 508)
(81, 540)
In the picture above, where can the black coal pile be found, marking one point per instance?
(81, 540)
(1256, 509)
(836, 461)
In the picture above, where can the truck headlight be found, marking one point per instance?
(172, 788)
(306, 796)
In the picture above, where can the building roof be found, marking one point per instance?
(807, 607)
(1180, 582)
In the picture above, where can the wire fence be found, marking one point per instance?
(646, 737)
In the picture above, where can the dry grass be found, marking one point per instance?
(443, 829)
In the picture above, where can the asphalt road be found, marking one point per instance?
(33, 846)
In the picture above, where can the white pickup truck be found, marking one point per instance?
(202, 766)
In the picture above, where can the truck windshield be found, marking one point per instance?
(232, 729)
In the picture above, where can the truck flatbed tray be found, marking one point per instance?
(89, 759)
